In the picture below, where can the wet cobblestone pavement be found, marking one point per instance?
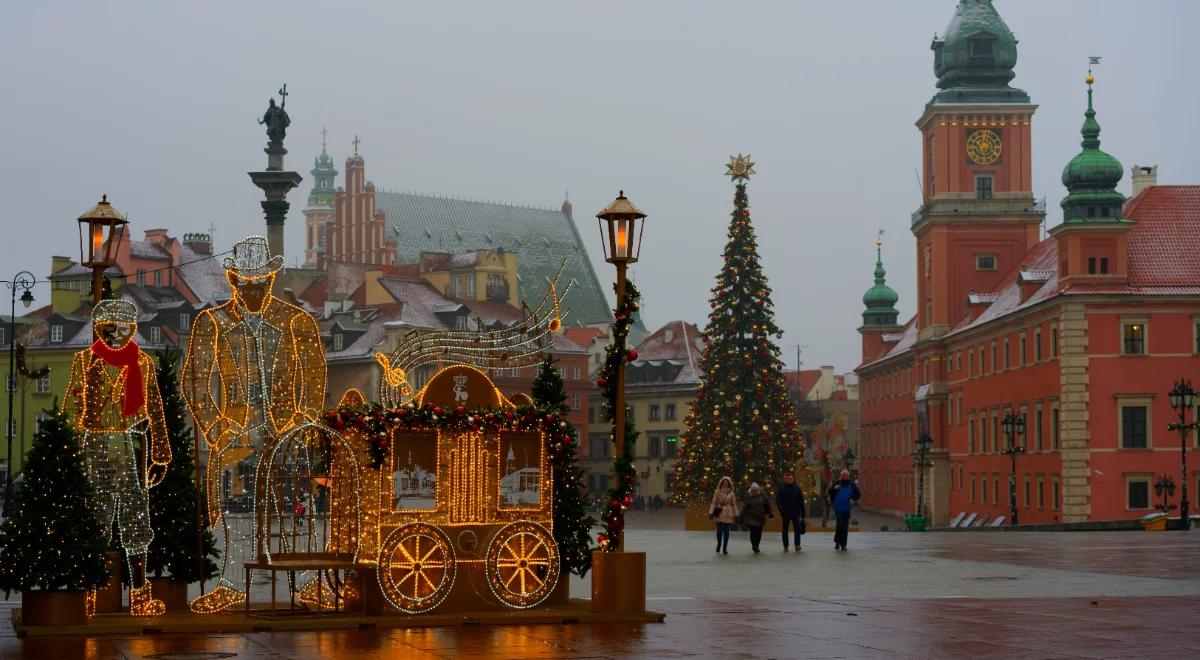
(978, 595)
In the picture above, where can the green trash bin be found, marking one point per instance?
(915, 523)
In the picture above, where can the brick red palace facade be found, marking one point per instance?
(1083, 332)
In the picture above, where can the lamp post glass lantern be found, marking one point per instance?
(923, 444)
(25, 281)
(1183, 398)
(101, 231)
(1014, 425)
(1164, 488)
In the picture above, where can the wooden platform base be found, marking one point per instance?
(574, 611)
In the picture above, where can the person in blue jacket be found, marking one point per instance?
(843, 493)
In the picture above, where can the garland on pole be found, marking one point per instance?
(620, 494)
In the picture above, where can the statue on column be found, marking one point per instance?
(276, 118)
(255, 368)
(113, 399)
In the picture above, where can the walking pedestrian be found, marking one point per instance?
(790, 501)
(723, 511)
(755, 511)
(843, 494)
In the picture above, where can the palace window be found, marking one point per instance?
(141, 277)
(42, 386)
(1041, 492)
(1038, 431)
(575, 401)
(983, 488)
(983, 187)
(655, 446)
(985, 262)
(158, 278)
(1133, 339)
(185, 321)
(1134, 422)
(1137, 491)
(972, 488)
(1037, 344)
(155, 334)
(1054, 427)
(1028, 491)
(1055, 489)
(669, 412)
(995, 488)
(970, 436)
(653, 414)
(1053, 341)
(338, 341)
(1021, 350)
(56, 334)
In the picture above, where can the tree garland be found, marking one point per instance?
(620, 495)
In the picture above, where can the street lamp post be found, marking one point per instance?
(23, 281)
(1014, 425)
(1183, 398)
(99, 246)
(921, 455)
(621, 225)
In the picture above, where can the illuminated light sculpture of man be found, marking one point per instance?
(255, 369)
(113, 399)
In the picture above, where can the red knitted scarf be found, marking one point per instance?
(125, 357)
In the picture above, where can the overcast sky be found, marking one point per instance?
(155, 103)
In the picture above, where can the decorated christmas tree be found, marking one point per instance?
(743, 423)
(572, 524)
(176, 516)
(52, 538)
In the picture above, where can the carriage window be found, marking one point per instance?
(520, 474)
(414, 473)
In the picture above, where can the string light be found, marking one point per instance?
(114, 400)
(511, 347)
(255, 368)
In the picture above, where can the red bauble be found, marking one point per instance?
(601, 382)
(509, 415)
(628, 501)
(632, 355)
(460, 410)
(612, 504)
(438, 410)
(549, 419)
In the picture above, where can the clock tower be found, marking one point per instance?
(978, 217)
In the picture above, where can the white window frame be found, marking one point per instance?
(56, 334)
(1130, 322)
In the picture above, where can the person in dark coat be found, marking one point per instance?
(755, 510)
(843, 494)
(790, 501)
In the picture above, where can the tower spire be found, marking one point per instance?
(880, 300)
(1091, 177)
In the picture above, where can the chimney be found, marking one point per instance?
(157, 237)
(198, 243)
(1144, 176)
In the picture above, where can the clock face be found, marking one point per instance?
(983, 147)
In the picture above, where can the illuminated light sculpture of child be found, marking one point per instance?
(113, 399)
(255, 369)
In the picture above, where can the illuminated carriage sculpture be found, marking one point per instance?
(423, 514)
(471, 507)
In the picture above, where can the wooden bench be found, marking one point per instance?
(292, 563)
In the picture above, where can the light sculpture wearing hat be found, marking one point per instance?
(113, 399)
(254, 369)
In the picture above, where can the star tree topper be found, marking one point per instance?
(740, 167)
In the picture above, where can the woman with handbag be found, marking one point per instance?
(723, 511)
(755, 511)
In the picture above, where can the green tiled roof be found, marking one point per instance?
(542, 238)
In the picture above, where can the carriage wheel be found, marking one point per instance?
(522, 564)
(416, 567)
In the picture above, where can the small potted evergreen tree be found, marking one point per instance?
(52, 544)
(183, 546)
(572, 524)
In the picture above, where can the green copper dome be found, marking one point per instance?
(880, 300)
(323, 171)
(1091, 177)
(974, 59)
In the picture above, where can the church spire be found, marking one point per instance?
(1091, 177)
(324, 173)
(880, 300)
